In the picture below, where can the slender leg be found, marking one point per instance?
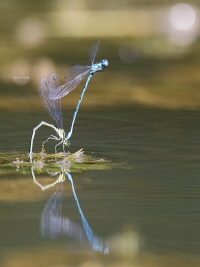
(64, 147)
(58, 145)
(33, 135)
(52, 137)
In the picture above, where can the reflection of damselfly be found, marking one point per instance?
(51, 93)
(53, 224)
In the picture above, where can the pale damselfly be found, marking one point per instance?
(51, 93)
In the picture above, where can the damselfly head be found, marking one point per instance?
(104, 63)
(67, 143)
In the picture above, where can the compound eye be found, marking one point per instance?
(104, 63)
(67, 143)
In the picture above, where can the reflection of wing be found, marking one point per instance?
(76, 75)
(73, 230)
(53, 224)
(47, 87)
(51, 220)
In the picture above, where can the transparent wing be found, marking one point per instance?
(73, 230)
(47, 87)
(52, 223)
(51, 220)
(93, 52)
(76, 75)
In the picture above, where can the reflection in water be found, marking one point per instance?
(51, 220)
(53, 224)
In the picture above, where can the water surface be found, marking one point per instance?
(142, 210)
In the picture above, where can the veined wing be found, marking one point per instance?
(93, 52)
(51, 220)
(76, 75)
(47, 87)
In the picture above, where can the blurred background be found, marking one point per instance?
(152, 47)
(142, 110)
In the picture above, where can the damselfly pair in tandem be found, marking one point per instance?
(51, 93)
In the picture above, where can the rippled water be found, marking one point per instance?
(144, 211)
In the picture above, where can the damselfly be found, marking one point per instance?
(51, 93)
(54, 224)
